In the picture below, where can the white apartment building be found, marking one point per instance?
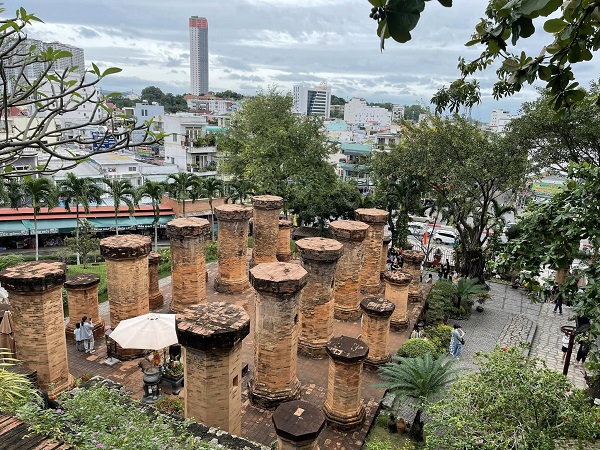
(398, 112)
(143, 112)
(213, 105)
(500, 118)
(182, 130)
(310, 101)
(198, 54)
(357, 111)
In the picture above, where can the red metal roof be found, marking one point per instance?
(96, 212)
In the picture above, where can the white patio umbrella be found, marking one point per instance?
(148, 332)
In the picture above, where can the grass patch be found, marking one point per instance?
(381, 439)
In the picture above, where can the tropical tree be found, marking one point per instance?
(212, 187)
(14, 192)
(40, 192)
(155, 190)
(84, 242)
(572, 37)
(180, 185)
(239, 189)
(49, 93)
(511, 402)
(121, 191)
(81, 191)
(423, 379)
(467, 289)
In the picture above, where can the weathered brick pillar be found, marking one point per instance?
(343, 407)
(82, 294)
(266, 228)
(188, 261)
(126, 259)
(370, 272)
(298, 425)
(276, 331)
(346, 288)
(396, 291)
(211, 335)
(384, 254)
(284, 252)
(35, 290)
(233, 248)
(377, 313)
(155, 295)
(319, 257)
(412, 265)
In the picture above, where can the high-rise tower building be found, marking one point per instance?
(199, 55)
(312, 101)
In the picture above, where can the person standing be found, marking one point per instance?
(565, 346)
(457, 341)
(446, 269)
(88, 336)
(584, 349)
(78, 337)
(416, 332)
(558, 299)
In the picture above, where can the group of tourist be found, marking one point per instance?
(84, 335)
(395, 261)
(457, 340)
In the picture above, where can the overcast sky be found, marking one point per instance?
(257, 43)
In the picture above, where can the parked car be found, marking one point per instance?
(447, 237)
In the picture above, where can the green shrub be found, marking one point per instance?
(10, 260)
(100, 270)
(211, 252)
(382, 420)
(414, 348)
(440, 336)
(170, 404)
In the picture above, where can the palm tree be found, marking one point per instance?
(467, 288)
(82, 192)
(14, 193)
(121, 191)
(180, 186)
(41, 192)
(155, 190)
(422, 378)
(239, 190)
(212, 187)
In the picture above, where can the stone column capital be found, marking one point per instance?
(397, 277)
(82, 281)
(298, 421)
(278, 278)
(267, 202)
(347, 350)
(377, 306)
(349, 230)
(285, 223)
(187, 227)
(413, 256)
(35, 276)
(127, 246)
(233, 213)
(371, 215)
(320, 249)
(154, 258)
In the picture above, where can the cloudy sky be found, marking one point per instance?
(257, 43)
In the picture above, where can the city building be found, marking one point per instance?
(500, 118)
(185, 146)
(356, 111)
(143, 112)
(199, 55)
(398, 113)
(312, 101)
(209, 104)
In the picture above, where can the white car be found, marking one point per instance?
(447, 237)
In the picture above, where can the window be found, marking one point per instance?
(174, 137)
(132, 168)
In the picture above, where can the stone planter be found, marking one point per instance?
(176, 382)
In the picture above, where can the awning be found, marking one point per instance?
(13, 228)
(56, 226)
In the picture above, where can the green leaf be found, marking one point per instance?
(377, 3)
(404, 17)
(554, 25)
(8, 169)
(539, 7)
(527, 28)
(110, 71)
(446, 3)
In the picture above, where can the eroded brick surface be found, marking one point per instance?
(233, 248)
(284, 252)
(155, 295)
(82, 295)
(412, 265)
(396, 291)
(371, 268)
(265, 228)
(377, 313)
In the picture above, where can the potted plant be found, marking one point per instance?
(174, 375)
(481, 298)
(175, 369)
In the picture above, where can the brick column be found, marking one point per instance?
(284, 252)
(126, 259)
(82, 294)
(346, 288)
(384, 254)
(412, 265)
(276, 330)
(265, 228)
(35, 290)
(211, 335)
(188, 261)
(396, 291)
(370, 272)
(343, 407)
(155, 295)
(319, 257)
(377, 313)
(233, 248)
(298, 425)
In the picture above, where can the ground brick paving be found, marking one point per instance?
(508, 318)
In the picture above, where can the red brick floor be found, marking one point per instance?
(256, 423)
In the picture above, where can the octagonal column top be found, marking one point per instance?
(126, 246)
(211, 326)
(347, 349)
(82, 281)
(298, 421)
(233, 213)
(349, 230)
(188, 227)
(397, 277)
(153, 258)
(377, 306)
(320, 249)
(371, 215)
(278, 278)
(35, 276)
(413, 256)
(285, 223)
(267, 202)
